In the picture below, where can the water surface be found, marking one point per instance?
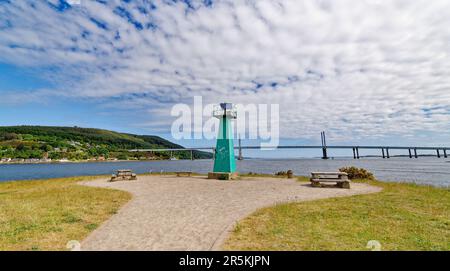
(425, 170)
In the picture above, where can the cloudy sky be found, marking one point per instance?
(367, 72)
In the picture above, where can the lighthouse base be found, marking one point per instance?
(222, 175)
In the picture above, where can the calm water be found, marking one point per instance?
(430, 170)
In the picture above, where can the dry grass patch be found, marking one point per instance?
(46, 214)
(401, 217)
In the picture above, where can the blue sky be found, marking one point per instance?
(367, 72)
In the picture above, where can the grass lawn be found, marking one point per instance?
(45, 215)
(401, 217)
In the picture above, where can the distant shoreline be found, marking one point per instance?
(89, 161)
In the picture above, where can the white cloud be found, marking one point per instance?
(361, 68)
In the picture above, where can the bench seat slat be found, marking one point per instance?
(329, 180)
(326, 177)
(329, 173)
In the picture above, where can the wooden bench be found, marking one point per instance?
(339, 178)
(184, 173)
(123, 174)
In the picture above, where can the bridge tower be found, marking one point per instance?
(224, 160)
(324, 146)
(240, 157)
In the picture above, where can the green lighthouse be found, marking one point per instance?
(224, 161)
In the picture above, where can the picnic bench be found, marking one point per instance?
(123, 175)
(339, 178)
(184, 173)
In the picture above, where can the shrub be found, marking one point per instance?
(288, 173)
(10, 136)
(122, 156)
(281, 173)
(357, 173)
(222, 177)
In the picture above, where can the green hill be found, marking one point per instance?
(75, 143)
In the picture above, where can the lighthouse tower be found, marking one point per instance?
(224, 160)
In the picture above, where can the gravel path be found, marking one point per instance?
(194, 213)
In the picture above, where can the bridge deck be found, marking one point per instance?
(301, 147)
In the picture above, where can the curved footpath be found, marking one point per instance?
(194, 213)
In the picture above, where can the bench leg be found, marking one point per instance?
(315, 184)
(343, 185)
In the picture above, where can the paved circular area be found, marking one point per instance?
(194, 213)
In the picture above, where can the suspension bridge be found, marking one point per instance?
(385, 151)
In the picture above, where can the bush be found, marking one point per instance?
(122, 156)
(357, 173)
(288, 173)
(10, 136)
(222, 177)
(281, 173)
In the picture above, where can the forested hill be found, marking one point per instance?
(75, 143)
